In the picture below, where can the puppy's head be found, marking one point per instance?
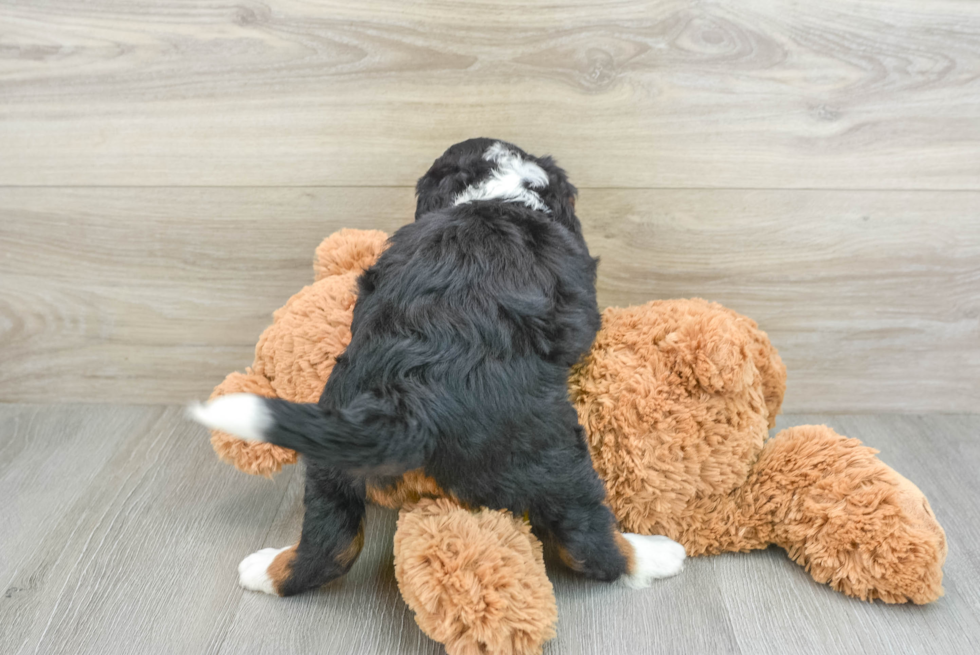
(490, 169)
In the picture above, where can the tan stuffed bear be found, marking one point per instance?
(677, 398)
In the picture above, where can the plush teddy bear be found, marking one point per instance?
(677, 398)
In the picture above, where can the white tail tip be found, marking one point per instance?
(241, 414)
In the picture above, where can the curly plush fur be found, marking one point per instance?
(676, 398)
(295, 355)
(475, 580)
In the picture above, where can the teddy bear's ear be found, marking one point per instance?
(348, 251)
(713, 350)
(770, 367)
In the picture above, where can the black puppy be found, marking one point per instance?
(462, 339)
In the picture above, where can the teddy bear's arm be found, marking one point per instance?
(348, 251)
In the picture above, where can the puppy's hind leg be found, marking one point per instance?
(332, 538)
(589, 541)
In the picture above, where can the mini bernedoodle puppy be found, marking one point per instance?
(462, 339)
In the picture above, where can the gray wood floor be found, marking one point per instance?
(120, 532)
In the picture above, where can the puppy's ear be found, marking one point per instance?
(560, 194)
(562, 199)
(448, 177)
(428, 195)
(565, 209)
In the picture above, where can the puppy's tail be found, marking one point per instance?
(357, 436)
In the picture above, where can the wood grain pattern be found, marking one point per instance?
(153, 295)
(873, 299)
(629, 93)
(122, 532)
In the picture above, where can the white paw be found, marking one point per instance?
(253, 570)
(653, 557)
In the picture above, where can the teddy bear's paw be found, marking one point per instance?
(264, 569)
(653, 557)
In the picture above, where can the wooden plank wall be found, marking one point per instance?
(166, 170)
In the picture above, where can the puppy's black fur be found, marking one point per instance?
(462, 338)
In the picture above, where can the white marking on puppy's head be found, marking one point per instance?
(513, 180)
(241, 414)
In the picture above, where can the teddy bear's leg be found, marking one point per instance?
(475, 580)
(852, 521)
(252, 457)
(332, 538)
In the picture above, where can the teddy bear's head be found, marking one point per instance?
(676, 398)
(295, 355)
